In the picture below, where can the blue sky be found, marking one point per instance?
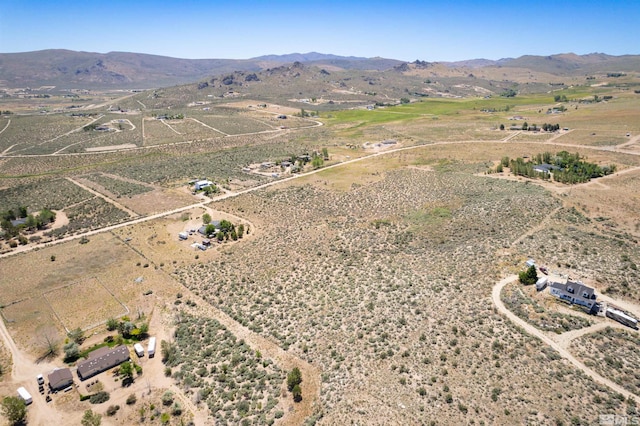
(405, 30)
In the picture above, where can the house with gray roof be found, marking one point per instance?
(101, 360)
(575, 293)
(60, 378)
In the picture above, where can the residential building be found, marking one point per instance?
(60, 378)
(101, 360)
(576, 293)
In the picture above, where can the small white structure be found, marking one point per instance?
(40, 379)
(139, 349)
(26, 396)
(183, 235)
(541, 283)
(151, 348)
(201, 184)
(529, 263)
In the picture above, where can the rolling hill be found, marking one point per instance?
(68, 69)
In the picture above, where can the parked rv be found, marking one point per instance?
(622, 317)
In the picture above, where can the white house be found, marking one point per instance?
(201, 184)
(575, 292)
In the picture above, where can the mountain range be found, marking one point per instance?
(68, 69)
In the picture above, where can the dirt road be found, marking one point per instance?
(558, 347)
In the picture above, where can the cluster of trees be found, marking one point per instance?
(225, 230)
(127, 329)
(508, 93)
(550, 127)
(575, 170)
(32, 222)
(5, 112)
(560, 98)
(571, 167)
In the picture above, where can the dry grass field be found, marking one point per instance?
(93, 277)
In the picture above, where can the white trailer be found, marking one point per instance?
(26, 396)
(151, 349)
(622, 317)
(183, 235)
(139, 349)
(541, 283)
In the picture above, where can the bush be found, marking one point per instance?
(167, 398)
(112, 410)
(131, 399)
(99, 398)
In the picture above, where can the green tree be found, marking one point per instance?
(529, 277)
(294, 378)
(71, 351)
(112, 324)
(126, 371)
(14, 409)
(297, 393)
(240, 230)
(209, 229)
(91, 419)
(325, 153)
(206, 218)
(502, 127)
(317, 162)
(226, 226)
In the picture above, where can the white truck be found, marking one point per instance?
(151, 349)
(25, 395)
(139, 349)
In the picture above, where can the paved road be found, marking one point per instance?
(560, 348)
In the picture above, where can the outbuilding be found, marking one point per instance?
(139, 349)
(60, 378)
